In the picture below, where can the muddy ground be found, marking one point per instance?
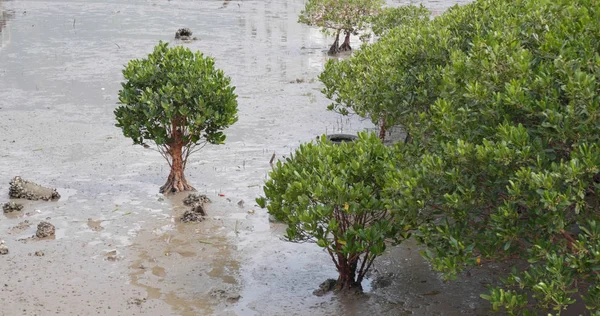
(119, 248)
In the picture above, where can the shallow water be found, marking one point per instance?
(119, 248)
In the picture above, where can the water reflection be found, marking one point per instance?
(5, 16)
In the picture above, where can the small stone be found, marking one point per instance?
(45, 229)
(240, 203)
(11, 207)
(3, 250)
(251, 212)
(183, 33)
(39, 253)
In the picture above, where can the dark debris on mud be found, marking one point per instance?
(185, 34)
(22, 189)
(224, 295)
(325, 287)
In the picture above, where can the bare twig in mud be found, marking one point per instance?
(236, 226)
(73, 23)
(117, 45)
(205, 242)
(272, 159)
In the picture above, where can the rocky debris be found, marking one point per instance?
(240, 203)
(22, 189)
(45, 229)
(39, 253)
(184, 34)
(325, 287)
(221, 294)
(112, 255)
(196, 214)
(136, 301)
(193, 199)
(3, 248)
(11, 207)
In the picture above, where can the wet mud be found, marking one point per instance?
(120, 248)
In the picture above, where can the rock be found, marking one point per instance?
(45, 229)
(11, 207)
(3, 250)
(22, 189)
(183, 34)
(241, 203)
(196, 214)
(325, 287)
(39, 253)
(193, 199)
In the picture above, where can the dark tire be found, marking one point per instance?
(341, 138)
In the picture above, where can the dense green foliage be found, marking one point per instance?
(333, 195)
(501, 98)
(175, 84)
(395, 17)
(177, 99)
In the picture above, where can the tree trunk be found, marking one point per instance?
(347, 275)
(382, 129)
(346, 45)
(407, 139)
(334, 49)
(176, 181)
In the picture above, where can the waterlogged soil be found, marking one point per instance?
(119, 247)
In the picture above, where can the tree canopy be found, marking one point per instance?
(501, 99)
(335, 16)
(333, 195)
(177, 99)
